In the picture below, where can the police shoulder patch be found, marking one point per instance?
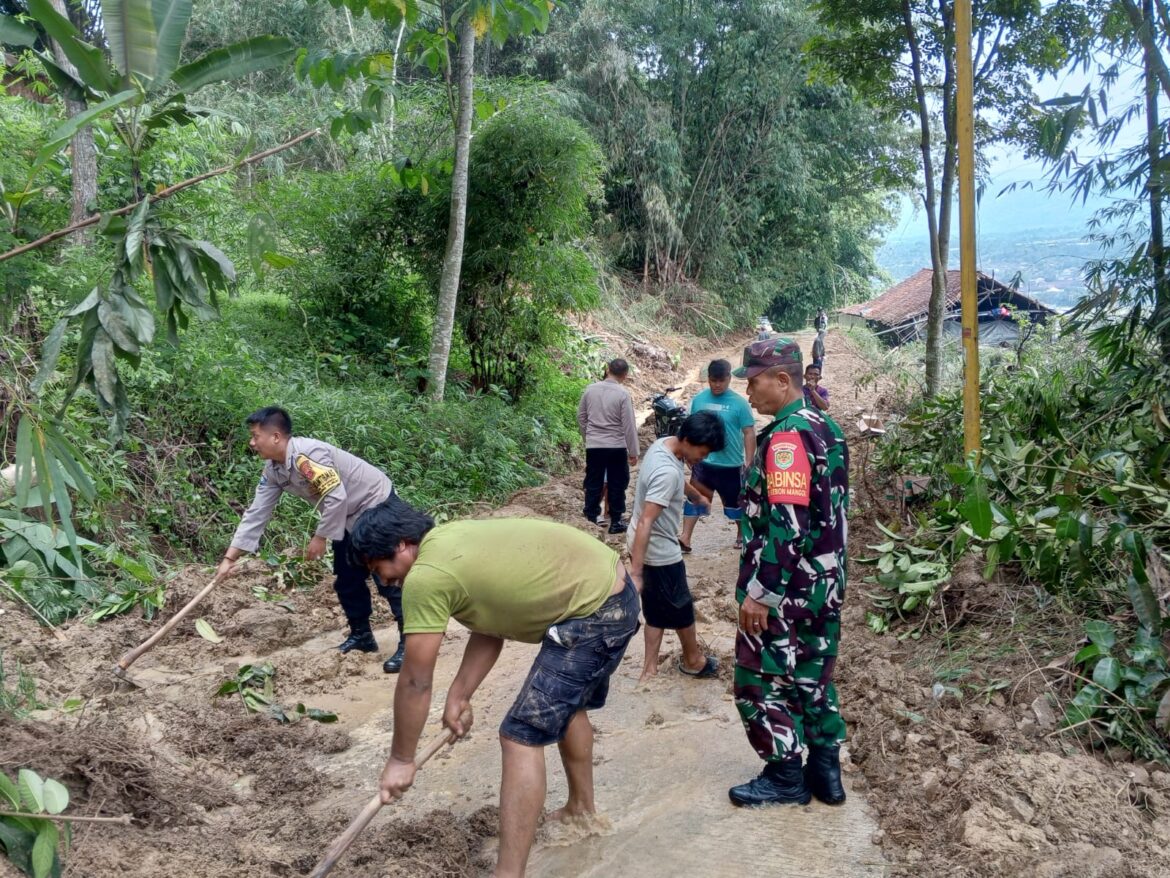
(787, 468)
(323, 479)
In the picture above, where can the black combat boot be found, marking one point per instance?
(393, 664)
(780, 783)
(822, 775)
(360, 639)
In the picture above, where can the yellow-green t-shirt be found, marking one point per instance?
(508, 577)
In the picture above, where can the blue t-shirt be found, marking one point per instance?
(736, 414)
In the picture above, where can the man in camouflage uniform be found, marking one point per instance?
(790, 588)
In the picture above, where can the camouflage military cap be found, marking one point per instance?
(760, 356)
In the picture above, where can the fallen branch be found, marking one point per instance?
(125, 819)
(162, 193)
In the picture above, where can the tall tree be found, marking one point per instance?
(83, 158)
(867, 47)
(1132, 279)
(436, 24)
(444, 326)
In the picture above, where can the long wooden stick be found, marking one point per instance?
(133, 655)
(340, 844)
(125, 819)
(162, 193)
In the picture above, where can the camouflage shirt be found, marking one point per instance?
(795, 503)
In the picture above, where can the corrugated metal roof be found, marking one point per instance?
(909, 299)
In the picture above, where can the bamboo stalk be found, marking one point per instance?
(158, 196)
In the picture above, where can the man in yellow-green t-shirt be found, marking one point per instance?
(504, 579)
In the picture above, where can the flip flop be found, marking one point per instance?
(710, 669)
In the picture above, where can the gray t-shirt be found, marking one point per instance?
(660, 481)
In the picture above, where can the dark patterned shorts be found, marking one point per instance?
(572, 670)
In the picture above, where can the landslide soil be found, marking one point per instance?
(952, 765)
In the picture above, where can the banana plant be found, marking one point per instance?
(141, 89)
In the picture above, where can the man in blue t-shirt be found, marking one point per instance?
(721, 473)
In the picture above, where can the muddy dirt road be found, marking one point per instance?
(954, 786)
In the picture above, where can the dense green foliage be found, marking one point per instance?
(1070, 495)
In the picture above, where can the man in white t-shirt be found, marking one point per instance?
(656, 562)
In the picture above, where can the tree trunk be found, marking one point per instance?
(938, 261)
(453, 256)
(84, 153)
(1154, 188)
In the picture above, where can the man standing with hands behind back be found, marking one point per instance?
(606, 419)
(790, 588)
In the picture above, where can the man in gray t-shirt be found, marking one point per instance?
(656, 563)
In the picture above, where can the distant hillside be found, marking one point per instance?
(1042, 238)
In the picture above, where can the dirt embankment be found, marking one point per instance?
(951, 736)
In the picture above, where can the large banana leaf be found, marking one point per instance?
(90, 62)
(69, 127)
(238, 59)
(16, 33)
(171, 18)
(129, 29)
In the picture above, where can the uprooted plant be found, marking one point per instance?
(1071, 495)
(255, 684)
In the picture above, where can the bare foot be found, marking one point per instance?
(647, 673)
(570, 813)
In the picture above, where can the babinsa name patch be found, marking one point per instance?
(787, 469)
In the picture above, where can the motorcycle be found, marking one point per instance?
(668, 413)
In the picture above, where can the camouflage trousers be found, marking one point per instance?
(784, 686)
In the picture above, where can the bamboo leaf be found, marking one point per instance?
(63, 501)
(238, 59)
(24, 461)
(71, 459)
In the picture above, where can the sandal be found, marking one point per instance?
(710, 669)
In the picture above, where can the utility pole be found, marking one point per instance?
(965, 111)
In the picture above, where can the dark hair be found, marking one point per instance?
(271, 416)
(811, 366)
(379, 530)
(618, 368)
(719, 369)
(703, 428)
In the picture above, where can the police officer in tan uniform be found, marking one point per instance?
(341, 487)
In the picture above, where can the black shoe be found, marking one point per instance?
(618, 527)
(780, 783)
(362, 641)
(822, 775)
(393, 664)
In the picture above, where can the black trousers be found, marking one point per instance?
(606, 467)
(353, 593)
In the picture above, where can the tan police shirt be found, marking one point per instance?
(338, 484)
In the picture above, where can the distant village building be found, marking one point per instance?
(899, 314)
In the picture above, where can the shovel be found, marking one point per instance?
(133, 655)
(340, 844)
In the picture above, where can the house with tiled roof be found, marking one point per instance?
(899, 314)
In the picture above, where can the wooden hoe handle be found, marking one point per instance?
(343, 841)
(133, 655)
